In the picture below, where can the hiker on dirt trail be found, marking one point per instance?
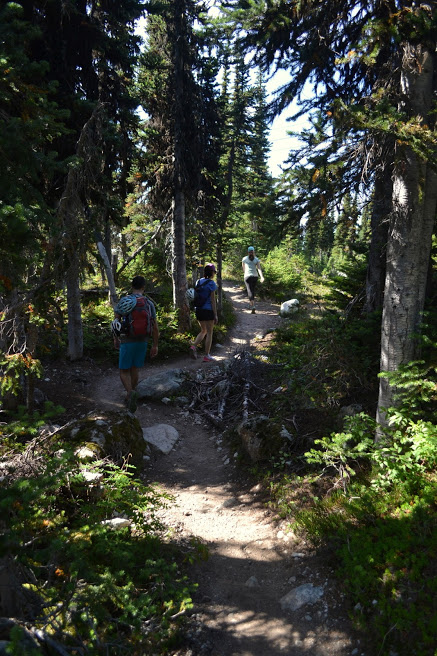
(206, 311)
(252, 270)
(134, 323)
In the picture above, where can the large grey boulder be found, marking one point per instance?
(158, 386)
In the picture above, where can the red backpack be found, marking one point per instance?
(139, 322)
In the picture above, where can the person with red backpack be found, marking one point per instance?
(134, 324)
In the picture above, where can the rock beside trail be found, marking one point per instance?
(113, 434)
(301, 596)
(162, 436)
(288, 307)
(261, 437)
(161, 385)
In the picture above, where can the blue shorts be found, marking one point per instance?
(132, 354)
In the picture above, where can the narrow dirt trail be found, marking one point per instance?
(252, 561)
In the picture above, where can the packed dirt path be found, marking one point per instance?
(253, 561)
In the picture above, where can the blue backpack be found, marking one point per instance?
(201, 293)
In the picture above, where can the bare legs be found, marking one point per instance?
(206, 330)
(129, 378)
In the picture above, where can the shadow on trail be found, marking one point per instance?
(242, 610)
(237, 606)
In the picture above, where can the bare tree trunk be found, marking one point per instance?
(410, 231)
(113, 298)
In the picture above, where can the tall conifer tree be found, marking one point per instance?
(383, 54)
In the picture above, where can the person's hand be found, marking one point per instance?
(154, 351)
(215, 318)
(262, 278)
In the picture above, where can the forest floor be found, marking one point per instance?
(254, 561)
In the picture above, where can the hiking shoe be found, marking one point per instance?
(208, 358)
(193, 352)
(253, 310)
(132, 401)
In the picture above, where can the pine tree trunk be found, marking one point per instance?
(410, 231)
(179, 273)
(178, 222)
(376, 267)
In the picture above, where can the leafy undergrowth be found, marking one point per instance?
(78, 584)
(373, 504)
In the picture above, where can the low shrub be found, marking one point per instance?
(88, 586)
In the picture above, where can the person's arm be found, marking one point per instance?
(261, 277)
(242, 264)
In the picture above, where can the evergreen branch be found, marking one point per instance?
(143, 246)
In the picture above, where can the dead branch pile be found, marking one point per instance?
(227, 396)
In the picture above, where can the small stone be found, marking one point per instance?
(117, 522)
(301, 596)
(252, 582)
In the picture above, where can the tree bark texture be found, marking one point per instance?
(113, 298)
(179, 272)
(376, 266)
(410, 229)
